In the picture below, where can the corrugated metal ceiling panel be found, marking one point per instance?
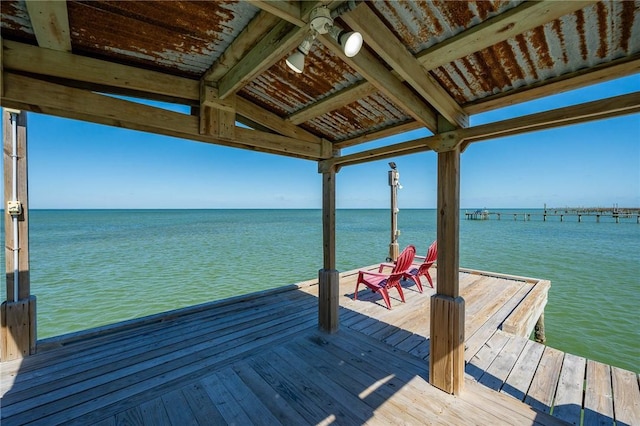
(286, 91)
(596, 34)
(420, 25)
(176, 36)
(370, 114)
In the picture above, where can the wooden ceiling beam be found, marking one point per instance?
(271, 47)
(582, 78)
(256, 29)
(387, 83)
(281, 40)
(333, 102)
(283, 9)
(115, 78)
(509, 24)
(516, 21)
(389, 131)
(590, 111)
(31, 94)
(581, 113)
(393, 51)
(50, 23)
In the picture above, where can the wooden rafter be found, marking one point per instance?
(394, 52)
(513, 22)
(516, 21)
(36, 95)
(585, 77)
(389, 131)
(112, 78)
(284, 10)
(387, 83)
(50, 23)
(270, 48)
(590, 111)
(581, 113)
(281, 40)
(332, 102)
(255, 30)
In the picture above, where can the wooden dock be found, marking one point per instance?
(259, 359)
(606, 215)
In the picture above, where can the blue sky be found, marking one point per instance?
(74, 164)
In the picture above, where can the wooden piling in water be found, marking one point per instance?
(539, 333)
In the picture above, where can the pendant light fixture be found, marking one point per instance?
(321, 22)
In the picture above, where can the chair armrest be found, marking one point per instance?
(374, 274)
(386, 265)
(419, 257)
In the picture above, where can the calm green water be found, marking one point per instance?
(95, 267)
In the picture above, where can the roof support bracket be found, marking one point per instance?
(217, 116)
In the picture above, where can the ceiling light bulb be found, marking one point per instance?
(351, 43)
(296, 61)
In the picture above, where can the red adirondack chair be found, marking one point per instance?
(379, 282)
(423, 269)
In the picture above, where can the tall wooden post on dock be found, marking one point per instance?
(446, 357)
(394, 177)
(328, 276)
(18, 312)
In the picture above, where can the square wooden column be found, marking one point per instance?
(18, 312)
(446, 357)
(328, 277)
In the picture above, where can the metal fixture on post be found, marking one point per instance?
(394, 183)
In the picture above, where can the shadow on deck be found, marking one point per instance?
(259, 359)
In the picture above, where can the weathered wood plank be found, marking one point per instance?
(360, 379)
(626, 396)
(492, 323)
(497, 373)
(178, 409)
(598, 397)
(273, 400)
(201, 405)
(251, 403)
(182, 364)
(135, 349)
(544, 383)
(517, 384)
(483, 358)
(230, 409)
(569, 395)
(522, 320)
(153, 413)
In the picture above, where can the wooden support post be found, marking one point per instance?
(540, 336)
(328, 277)
(18, 312)
(446, 357)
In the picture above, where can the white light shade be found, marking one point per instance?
(296, 61)
(351, 43)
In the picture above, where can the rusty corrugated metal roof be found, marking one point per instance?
(187, 37)
(175, 36)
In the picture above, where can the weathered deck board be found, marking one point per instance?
(598, 398)
(568, 399)
(626, 396)
(260, 360)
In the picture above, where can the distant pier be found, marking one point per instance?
(615, 214)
